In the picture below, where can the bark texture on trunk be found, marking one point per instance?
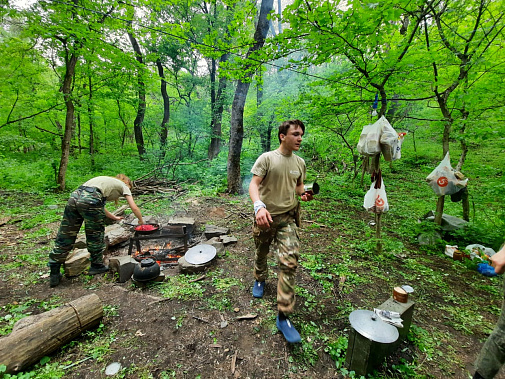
(90, 117)
(166, 108)
(217, 107)
(237, 113)
(141, 109)
(69, 120)
(35, 337)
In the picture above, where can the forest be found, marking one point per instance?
(183, 96)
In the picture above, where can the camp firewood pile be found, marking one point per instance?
(154, 185)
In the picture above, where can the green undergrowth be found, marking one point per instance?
(341, 268)
(15, 311)
(180, 287)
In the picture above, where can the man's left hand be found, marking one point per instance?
(307, 196)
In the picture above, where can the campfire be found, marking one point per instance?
(160, 246)
(165, 256)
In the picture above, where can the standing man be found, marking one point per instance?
(492, 355)
(277, 182)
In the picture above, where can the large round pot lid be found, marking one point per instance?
(200, 254)
(369, 325)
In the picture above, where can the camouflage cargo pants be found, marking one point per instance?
(492, 355)
(286, 246)
(87, 207)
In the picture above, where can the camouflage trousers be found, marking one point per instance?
(492, 354)
(87, 207)
(283, 232)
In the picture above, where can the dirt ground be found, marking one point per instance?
(186, 339)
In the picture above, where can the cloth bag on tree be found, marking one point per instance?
(369, 140)
(398, 150)
(444, 180)
(388, 140)
(376, 200)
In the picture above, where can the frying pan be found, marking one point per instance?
(138, 228)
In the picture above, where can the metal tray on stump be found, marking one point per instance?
(200, 254)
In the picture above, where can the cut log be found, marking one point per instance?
(34, 337)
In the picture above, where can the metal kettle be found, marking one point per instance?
(147, 270)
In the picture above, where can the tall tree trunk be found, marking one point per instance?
(90, 117)
(217, 101)
(213, 150)
(166, 108)
(263, 130)
(279, 12)
(79, 133)
(69, 119)
(123, 121)
(217, 115)
(237, 113)
(141, 110)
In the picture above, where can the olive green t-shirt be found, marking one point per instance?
(280, 173)
(111, 188)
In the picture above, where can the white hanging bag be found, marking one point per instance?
(376, 200)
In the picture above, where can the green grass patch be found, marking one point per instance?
(179, 287)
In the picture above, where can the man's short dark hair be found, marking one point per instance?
(284, 127)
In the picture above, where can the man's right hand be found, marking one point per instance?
(498, 261)
(263, 218)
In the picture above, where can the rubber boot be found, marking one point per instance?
(97, 268)
(55, 275)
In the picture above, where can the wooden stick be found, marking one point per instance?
(440, 210)
(233, 362)
(200, 319)
(197, 279)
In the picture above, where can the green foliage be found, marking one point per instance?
(98, 345)
(424, 340)
(14, 313)
(305, 353)
(179, 287)
(337, 350)
(486, 235)
(42, 370)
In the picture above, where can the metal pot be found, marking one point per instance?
(313, 188)
(147, 270)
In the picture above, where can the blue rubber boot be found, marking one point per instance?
(290, 333)
(258, 289)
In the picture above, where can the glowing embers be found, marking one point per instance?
(166, 256)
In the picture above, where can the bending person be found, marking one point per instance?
(275, 186)
(87, 204)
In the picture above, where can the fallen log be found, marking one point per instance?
(34, 337)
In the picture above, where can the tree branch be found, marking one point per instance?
(48, 131)
(27, 117)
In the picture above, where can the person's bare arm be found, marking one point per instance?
(111, 216)
(134, 208)
(263, 217)
(498, 261)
